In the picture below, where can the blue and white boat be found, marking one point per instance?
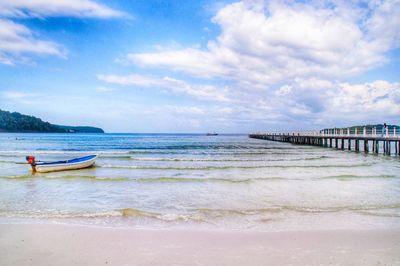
(72, 164)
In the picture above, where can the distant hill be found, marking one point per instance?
(370, 127)
(16, 122)
(377, 126)
(85, 129)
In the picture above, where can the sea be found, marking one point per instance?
(196, 181)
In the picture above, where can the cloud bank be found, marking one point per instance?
(262, 44)
(288, 63)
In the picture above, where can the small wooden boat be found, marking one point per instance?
(72, 164)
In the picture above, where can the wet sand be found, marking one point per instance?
(54, 244)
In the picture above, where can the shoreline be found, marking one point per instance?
(56, 244)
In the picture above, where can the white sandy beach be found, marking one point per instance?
(53, 244)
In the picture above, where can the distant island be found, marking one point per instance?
(368, 127)
(16, 122)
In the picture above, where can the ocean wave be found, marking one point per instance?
(12, 162)
(162, 159)
(121, 213)
(172, 179)
(25, 176)
(119, 157)
(9, 155)
(201, 180)
(226, 167)
(206, 146)
(207, 214)
(379, 213)
(5, 161)
(352, 177)
(126, 153)
(26, 152)
(375, 210)
(65, 177)
(143, 179)
(220, 152)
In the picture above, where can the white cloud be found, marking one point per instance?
(175, 110)
(19, 97)
(15, 94)
(105, 89)
(337, 103)
(261, 45)
(205, 92)
(16, 40)
(376, 99)
(385, 23)
(51, 8)
(133, 79)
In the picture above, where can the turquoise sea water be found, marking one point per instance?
(225, 181)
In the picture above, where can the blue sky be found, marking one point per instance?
(199, 66)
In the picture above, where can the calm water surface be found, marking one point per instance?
(226, 181)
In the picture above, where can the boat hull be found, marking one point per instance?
(44, 168)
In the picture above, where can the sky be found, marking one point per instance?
(201, 66)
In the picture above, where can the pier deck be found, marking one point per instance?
(387, 143)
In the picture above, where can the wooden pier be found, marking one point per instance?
(384, 142)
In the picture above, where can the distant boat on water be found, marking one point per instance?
(72, 164)
(212, 134)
